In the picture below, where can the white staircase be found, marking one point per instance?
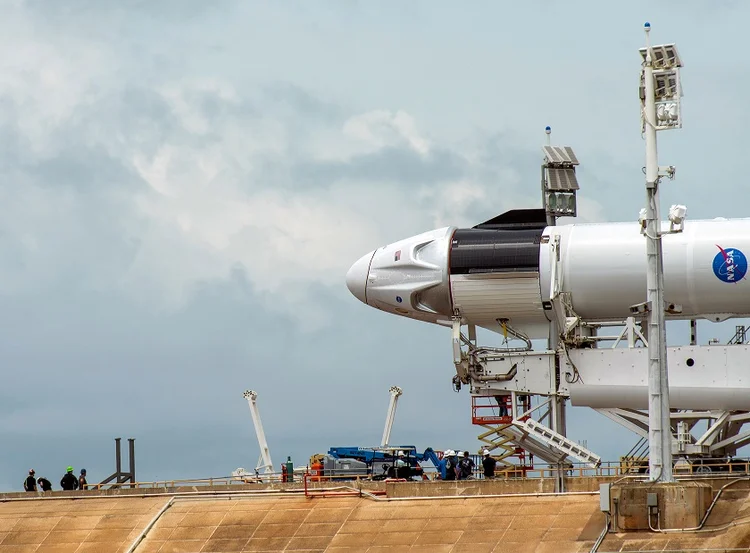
(558, 442)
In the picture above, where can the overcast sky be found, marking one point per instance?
(185, 183)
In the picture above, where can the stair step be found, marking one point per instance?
(560, 442)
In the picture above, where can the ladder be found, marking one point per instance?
(498, 438)
(740, 335)
(559, 442)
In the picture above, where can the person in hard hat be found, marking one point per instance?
(441, 466)
(401, 465)
(488, 463)
(82, 484)
(450, 465)
(465, 467)
(69, 481)
(45, 484)
(29, 484)
(400, 459)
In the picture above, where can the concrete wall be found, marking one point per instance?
(491, 487)
(543, 524)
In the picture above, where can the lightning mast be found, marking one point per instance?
(264, 461)
(660, 94)
(559, 189)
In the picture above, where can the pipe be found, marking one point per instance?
(699, 528)
(510, 375)
(367, 494)
(701, 550)
(601, 537)
(216, 493)
(150, 525)
(516, 334)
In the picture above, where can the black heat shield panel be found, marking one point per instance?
(517, 219)
(494, 251)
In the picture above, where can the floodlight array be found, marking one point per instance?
(663, 56)
(559, 155)
(561, 204)
(666, 64)
(559, 181)
(561, 178)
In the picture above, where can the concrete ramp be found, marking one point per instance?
(343, 524)
(96, 525)
(348, 525)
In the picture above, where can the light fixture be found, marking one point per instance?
(677, 214)
(561, 204)
(665, 63)
(559, 182)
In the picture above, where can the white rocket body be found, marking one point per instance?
(501, 271)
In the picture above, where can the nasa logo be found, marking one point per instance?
(730, 264)
(398, 299)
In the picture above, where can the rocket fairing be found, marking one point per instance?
(501, 272)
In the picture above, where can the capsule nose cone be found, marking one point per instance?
(356, 277)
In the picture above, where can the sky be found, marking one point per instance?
(185, 184)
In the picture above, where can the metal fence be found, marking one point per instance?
(610, 469)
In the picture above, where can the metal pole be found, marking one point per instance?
(659, 428)
(118, 460)
(131, 453)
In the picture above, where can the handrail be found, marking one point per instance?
(702, 469)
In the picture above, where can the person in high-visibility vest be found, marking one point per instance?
(317, 470)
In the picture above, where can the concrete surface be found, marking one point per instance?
(353, 524)
(74, 526)
(542, 524)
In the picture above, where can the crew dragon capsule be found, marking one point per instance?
(500, 273)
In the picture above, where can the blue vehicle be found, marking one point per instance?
(387, 457)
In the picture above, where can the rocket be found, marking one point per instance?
(504, 272)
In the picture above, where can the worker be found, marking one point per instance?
(465, 467)
(441, 466)
(29, 484)
(450, 465)
(400, 461)
(45, 484)
(401, 465)
(69, 481)
(489, 464)
(82, 484)
(317, 470)
(502, 405)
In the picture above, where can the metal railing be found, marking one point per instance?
(267, 478)
(607, 469)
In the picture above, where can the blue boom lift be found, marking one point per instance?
(386, 457)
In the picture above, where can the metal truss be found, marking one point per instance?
(589, 353)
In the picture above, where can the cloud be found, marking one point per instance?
(270, 178)
(380, 128)
(169, 240)
(186, 184)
